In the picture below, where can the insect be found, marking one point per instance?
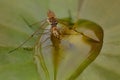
(52, 21)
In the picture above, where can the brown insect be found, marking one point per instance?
(52, 20)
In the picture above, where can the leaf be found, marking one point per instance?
(55, 56)
(13, 30)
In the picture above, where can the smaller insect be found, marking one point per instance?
(52, 20)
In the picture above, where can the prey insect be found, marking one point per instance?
(52, 21)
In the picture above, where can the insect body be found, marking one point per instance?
(53, 22)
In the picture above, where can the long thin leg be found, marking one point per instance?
(28, 38)
(36, 22)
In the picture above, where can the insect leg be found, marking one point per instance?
(28, 38)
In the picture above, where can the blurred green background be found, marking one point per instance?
(13, 30)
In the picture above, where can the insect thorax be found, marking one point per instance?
(52, 21)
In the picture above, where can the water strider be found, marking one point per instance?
(53, 21)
